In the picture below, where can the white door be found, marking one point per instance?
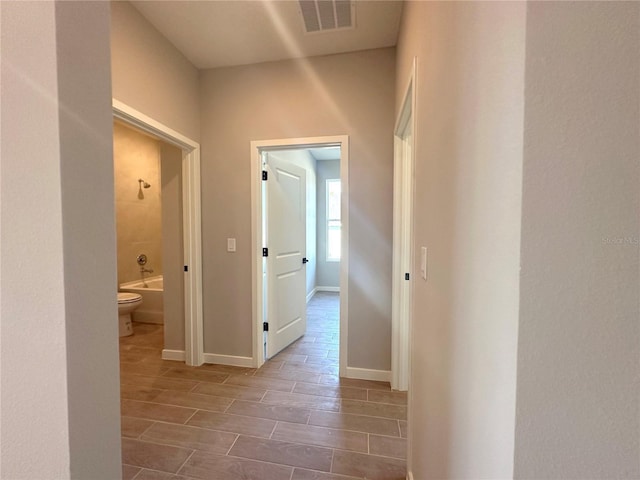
(286, 243)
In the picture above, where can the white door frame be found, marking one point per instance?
(403, 186)
(191, 227)
(256, 234)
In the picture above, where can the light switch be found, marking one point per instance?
(423, 262)
(231, 244)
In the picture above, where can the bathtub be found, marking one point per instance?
(152, 309)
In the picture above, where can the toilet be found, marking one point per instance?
(127, 303)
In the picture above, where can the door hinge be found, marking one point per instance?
(265, 252)
(186, 268)
(406, 276)
(265, 326)
(265, 175)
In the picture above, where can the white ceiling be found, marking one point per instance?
(218, 33)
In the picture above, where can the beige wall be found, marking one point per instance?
(578, 351)
(468, 170)
(150, 74)
(138, 220)
(342, 94)
(173, 249)
(60, 387)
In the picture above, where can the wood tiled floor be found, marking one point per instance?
(292, 419)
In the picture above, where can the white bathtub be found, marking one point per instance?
(152, 309)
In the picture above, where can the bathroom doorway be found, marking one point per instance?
(159, 232)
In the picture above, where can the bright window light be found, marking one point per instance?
(334, 225)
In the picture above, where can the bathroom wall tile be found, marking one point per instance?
(137, 220)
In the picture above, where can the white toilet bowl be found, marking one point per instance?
(127, 303)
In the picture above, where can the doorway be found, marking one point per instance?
(262, 153)
(403, 186)
(191, 225)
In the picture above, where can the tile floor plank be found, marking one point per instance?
(388, 446)
(357, 423)
(258, 427)
(321, 436)
(154, 411)
(230, 391)
(292, 419)
(273, 412)
(134, 427)
(190, 437)
(209, 467)
(303, 401)
(368, 466)
(371, 409)
(151, 455)
(302, 474)
(283, 453)
(193, 400)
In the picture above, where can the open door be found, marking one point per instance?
(286, 242)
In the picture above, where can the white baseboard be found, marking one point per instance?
(228, 360)
(327, 289)
(311, 294)
(367, 374)
(173, 355)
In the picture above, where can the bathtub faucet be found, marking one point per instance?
(146, 270)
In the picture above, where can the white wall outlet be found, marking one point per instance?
(231, 244)
(423, 262)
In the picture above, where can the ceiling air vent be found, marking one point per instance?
(321, 15)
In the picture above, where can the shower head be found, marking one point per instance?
(143, 183)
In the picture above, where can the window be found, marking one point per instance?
(334, 224)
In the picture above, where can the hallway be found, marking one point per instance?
(292, 419)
